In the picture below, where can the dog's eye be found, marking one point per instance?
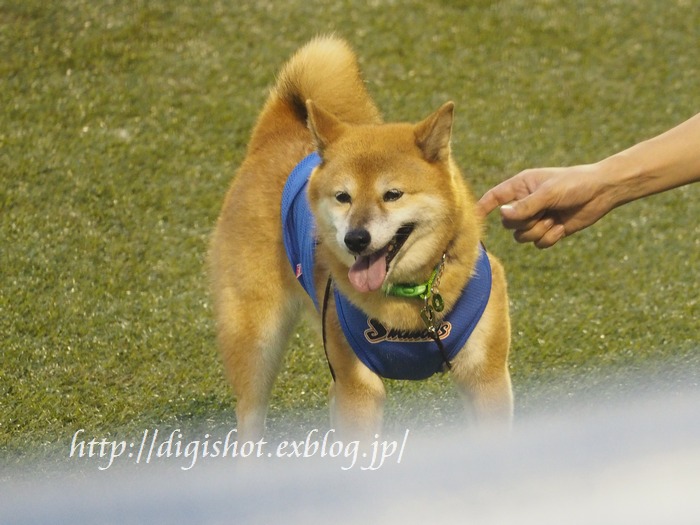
(392, 195)
(343, 197)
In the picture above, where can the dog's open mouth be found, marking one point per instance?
(368, 272)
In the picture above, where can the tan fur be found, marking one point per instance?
(320, 102)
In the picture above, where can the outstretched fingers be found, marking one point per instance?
(544, 235)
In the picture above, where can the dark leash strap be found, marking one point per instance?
(434, 304)
(436, 337)
(326, 296)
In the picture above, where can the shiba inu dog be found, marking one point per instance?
(370, 227)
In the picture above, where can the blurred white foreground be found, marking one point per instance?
(622, 463)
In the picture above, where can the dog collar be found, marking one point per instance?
(417, 291)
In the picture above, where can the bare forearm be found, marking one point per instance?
(667, 161)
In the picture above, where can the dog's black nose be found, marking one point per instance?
(357, 240)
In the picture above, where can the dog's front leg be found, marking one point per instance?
(357, 394)
(357, 406)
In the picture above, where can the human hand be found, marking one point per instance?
(544, 205)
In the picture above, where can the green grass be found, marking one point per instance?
(123, 122)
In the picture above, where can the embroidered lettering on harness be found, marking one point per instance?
(377, 333)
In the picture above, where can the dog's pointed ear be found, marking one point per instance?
(433, 134)
(324, 126)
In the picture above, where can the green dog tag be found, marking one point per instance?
(438, 303)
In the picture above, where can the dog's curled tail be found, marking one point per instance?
(326, 71)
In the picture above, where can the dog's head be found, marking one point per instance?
(384, 196)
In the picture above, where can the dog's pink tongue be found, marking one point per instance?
(368, 272)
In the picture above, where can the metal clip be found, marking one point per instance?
(426, 315)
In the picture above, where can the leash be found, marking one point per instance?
(326, 296)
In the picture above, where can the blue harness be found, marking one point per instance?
(298, 225)
(390, 353)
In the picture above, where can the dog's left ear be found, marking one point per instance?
(434, 133)
(324, 126)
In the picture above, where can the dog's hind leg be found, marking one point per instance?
(252, 341)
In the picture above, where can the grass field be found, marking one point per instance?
(122, 124)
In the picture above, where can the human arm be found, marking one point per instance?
(544, 205)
